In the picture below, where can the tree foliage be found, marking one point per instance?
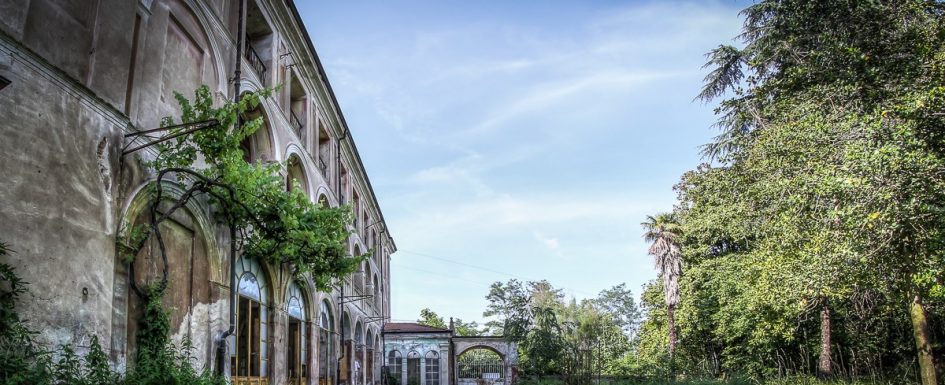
(567, 338)
(817, 226)
(430, 318)
(276, 224)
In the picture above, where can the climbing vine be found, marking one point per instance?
(273, 224)
(267, 222)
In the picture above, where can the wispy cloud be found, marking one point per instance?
(534, 145)
(543, 97)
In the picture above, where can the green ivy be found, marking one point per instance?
(277, 226)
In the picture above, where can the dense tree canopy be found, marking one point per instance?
(812, 241)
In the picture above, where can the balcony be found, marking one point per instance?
(256, 63)
(323, 167)
(297, 124)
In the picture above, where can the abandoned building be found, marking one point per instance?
(424, 355)
(75, 78)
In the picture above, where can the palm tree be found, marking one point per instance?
(664, 231)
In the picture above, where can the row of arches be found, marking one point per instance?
(258, 148)
(284, 329)
(252, 346)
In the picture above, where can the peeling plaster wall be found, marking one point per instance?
(83, 74)
(58, 206)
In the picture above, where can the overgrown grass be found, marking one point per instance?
(805, 380)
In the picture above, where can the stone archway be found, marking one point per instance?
(194, 263)
(484, 370)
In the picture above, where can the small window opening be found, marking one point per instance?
(259, 39)
(324, 150)
(297, 107)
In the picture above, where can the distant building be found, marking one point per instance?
(423, 355)
(75, 78)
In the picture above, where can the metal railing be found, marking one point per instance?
(296, 123)
(256, 62)
(480, 364)
(322, 166)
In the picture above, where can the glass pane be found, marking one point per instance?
(255, 347)
(249, 286)
(292, 353)
(295, 308)
(242, 334)
(413, 370)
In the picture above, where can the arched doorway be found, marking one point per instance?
(189, 267)
(369, 357)
(378, 359)
(346, 362)
(413, 367)
(358, 368)
(297, 339)
(249, 360)
(326, 345)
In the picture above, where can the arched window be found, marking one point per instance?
(377, 295)
(297, 349)
(258, 146)
(432, 368)
(413, 367)
(326, 346)
(358, 277)
(346, 326)
(394, 363)
(368, 289)
(249, 360)
(295, 175)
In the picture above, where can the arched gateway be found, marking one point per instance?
(424, 355)
(484, 360)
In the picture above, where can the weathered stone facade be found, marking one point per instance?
(82, 74)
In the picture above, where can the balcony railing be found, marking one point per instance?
(322, 166)
(256, 62)
(296, 123)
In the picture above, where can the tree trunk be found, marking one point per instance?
(920, 329)
(824, 365)
(671, 321)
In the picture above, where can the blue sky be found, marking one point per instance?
(519, 139)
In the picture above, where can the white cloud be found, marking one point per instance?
(551, 243)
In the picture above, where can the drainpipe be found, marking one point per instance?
(221, 347)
